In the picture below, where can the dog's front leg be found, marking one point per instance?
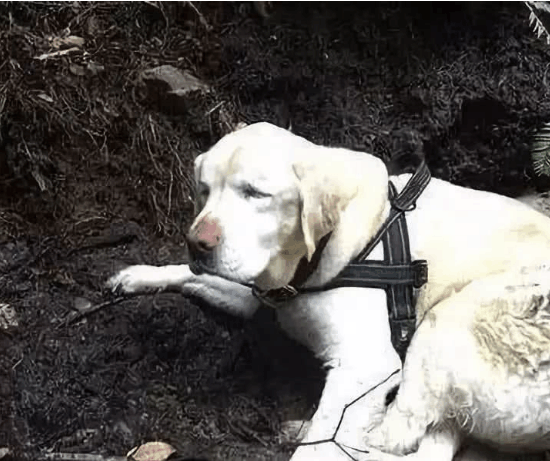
(338, 427)
(231, 297)
(348, 329)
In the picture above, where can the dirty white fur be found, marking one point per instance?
(479, 365)
(311, 190)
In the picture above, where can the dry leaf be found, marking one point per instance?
(151, 451)
(44, 97)
(66, 42)
(4, 451)
(82, 304)
(8, 317)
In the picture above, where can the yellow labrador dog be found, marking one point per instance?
(267, 197)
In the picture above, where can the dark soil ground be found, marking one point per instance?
(95, 173)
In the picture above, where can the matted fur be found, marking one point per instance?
(479, 365)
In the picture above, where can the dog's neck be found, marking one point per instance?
(354, 232)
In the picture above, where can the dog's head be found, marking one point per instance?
(266, 197)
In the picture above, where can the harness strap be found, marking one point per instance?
(403, 202)
(378, 274)
(400, 299)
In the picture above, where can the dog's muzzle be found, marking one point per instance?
(201, 255)
(196, 268)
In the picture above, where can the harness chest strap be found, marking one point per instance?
(400, 297)
(396, 274)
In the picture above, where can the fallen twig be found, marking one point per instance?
(79, 457)
(202, 19)
(105, 242)
(56, 54)
(74, 317)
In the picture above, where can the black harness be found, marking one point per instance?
(397, 273)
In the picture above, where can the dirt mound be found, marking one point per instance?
(103, 107)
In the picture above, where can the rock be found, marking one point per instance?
(264, 9)
(175, 80)
(82, 305)
(172, 88)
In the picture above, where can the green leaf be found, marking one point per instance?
(540, 151)
(535, 21)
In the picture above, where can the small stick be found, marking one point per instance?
(201, 17)
(80, 457)
(74, 317)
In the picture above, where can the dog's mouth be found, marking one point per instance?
(199, 268)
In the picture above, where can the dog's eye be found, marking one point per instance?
(252, 192)
(202, 188)
(202, 195)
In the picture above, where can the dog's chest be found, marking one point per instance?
(338, 324)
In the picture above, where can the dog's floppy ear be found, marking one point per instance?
(321, 204)
(199, 204)
(197, 166)
(339, 194)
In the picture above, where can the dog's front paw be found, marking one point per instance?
(377, 455)
(376, 438)
(397, 434)
(133, 279)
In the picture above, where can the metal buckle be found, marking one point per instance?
(273, 298)
(402, 332)
(420, 272)
(286, 292)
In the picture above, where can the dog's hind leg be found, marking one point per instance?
(405, 423)
(439, 445)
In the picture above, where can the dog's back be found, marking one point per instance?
(466, 234)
